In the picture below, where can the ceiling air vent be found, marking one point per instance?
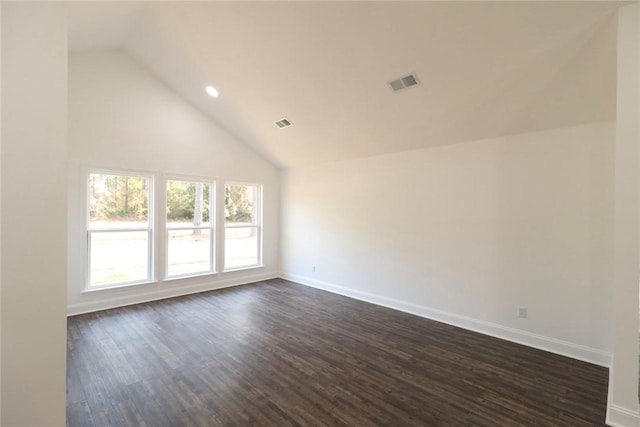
(283, 123)
(403, 82)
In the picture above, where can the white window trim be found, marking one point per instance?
(211, 227)
(257, 225)
(88, 230)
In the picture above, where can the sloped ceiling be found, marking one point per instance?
(486, 69)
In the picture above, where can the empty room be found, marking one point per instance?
(319, 213)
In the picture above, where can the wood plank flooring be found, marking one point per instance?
(280, 354)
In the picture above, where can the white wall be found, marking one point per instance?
(623, 388)
(469, 233)
(122, 117)
(34, 235)
(0, 217)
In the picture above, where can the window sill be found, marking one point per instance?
(248, 267)
(118, 287)
(189, 276)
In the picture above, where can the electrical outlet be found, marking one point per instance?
(522, 312)
(313, 269)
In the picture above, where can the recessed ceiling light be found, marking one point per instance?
(212, 91)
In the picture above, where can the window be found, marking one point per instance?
(121, 239)
(190, 228)
(242, 226)
(119, 229)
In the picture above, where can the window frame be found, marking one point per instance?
(150, 228)
(211, 227)
(257, 224)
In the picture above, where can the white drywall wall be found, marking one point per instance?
(34, 235)
(0, 217)
(623, 388)
(122, 117)
(468, 234)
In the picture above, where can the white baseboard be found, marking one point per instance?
(564, 348)
(618, 416)
(158, 293)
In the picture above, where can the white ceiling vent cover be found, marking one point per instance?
(404, 82)
(283, 123)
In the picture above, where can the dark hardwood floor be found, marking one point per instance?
(280, 354)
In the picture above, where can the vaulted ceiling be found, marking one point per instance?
(486, 69)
